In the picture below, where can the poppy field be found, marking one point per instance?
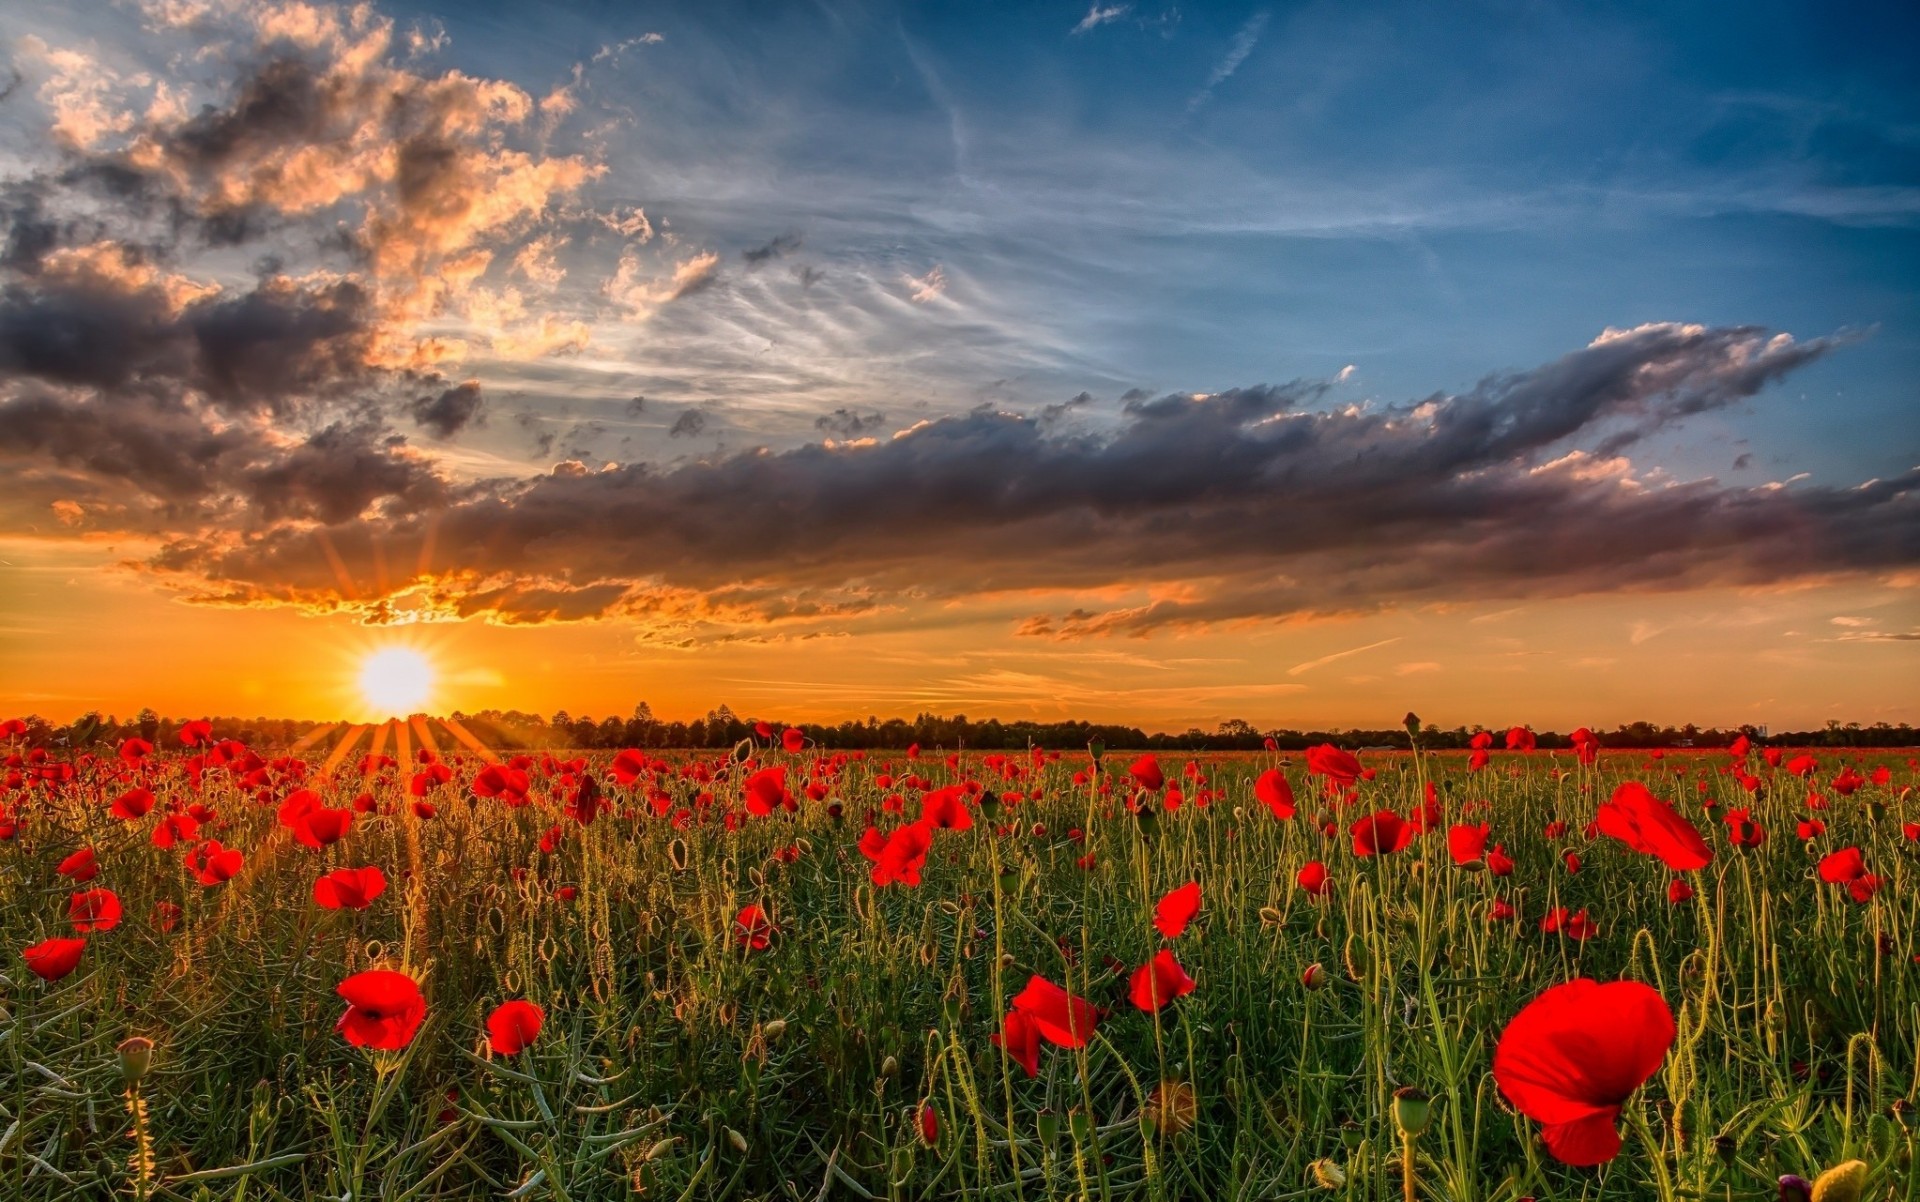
(417, 968)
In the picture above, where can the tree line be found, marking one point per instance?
(721, 727)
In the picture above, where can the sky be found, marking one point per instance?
(1157, 363)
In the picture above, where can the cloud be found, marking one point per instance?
(923, 288)
(1242, 505)
(450, 412)
(778, 247)
(1323, 661)
(1098, 16)
(848, 423)
(1243, 44)
(690, 424)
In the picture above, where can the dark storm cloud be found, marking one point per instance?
(450, 412)
(777, 248)
(688, 425)
(849, 423)
(1264, 505)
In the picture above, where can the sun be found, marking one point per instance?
(396, 680)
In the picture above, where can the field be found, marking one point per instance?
(743, 993)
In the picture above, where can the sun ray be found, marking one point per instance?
(458, 730)
(343, 748)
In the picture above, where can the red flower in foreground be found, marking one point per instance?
(54, 958)
(1313, 878)
(1060, 1017)
(1573, 925)
(94, 910)
(752, 929)
(1848, 867)
(1575, 1054)
(1380, 832)
(133, 804)
(1177, 909)
(384, 1009)
(929, 1124)
(767, 790)
(1467, 844)
(1743, 831)
(1275, 793)
(212, 864)
(81, 866)
(1159, 982)
(904, 854)
(947, 809)
(349, 888)
(1146, 773)
(1329, 761)
(793, 739)
(1645, 823)
(513, 1026)
(1519, 738)
(1020, 1036)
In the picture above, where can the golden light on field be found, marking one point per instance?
(396, 681)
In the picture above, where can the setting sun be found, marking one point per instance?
(396, 680)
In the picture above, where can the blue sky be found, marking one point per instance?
(1427, 194)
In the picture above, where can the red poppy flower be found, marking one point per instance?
(1275, 793)
(1156, 983)
(947, 809)
(133, 804)
(212, 864)
(1742, 830)
(349, 888)
(1467, 844)
(1020, 1036)
(1575, 1054)
(384, 1009)
(80, 866)
(1380, 832)
(1176, 910)
(1501, 910)
(1313, 878)
(793, 739)
(166, 915)
(1802, 765)
(1061, 1018)
(499, 780)
(512, 1027)
(196, 733)
(1645, 823)
(1849, 867)
(1573, 925)
(135, 750)
(752, 929)
(54, 958)
(175, 828)
(1519, 738)
(929, 1124)
(767, 790)
(1498, 862)
(94, 910)
(1331, 762)
(903, 856)
(1678, 891)
(321, 827)
(1146, 773)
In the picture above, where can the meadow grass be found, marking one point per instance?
(677, 1064)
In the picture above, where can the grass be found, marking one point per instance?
(676, 1065)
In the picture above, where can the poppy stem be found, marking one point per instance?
(1656, 1155)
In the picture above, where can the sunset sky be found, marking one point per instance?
(1158, 363)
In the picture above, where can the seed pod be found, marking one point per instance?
(136, 1057)
(1411, 1110)
(1047, 1123)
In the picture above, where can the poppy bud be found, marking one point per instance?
(929, 1122)
(889, 1067)
(660, 1148)
(136, 1057)
(989, 803)
(1326, 1174)
(1795, 1189)
(1411, 1110)
(1270, 916)
(774, 1028)
(738, 1140)
(1841, 1183)
(1315, 978)
(1009, 880)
